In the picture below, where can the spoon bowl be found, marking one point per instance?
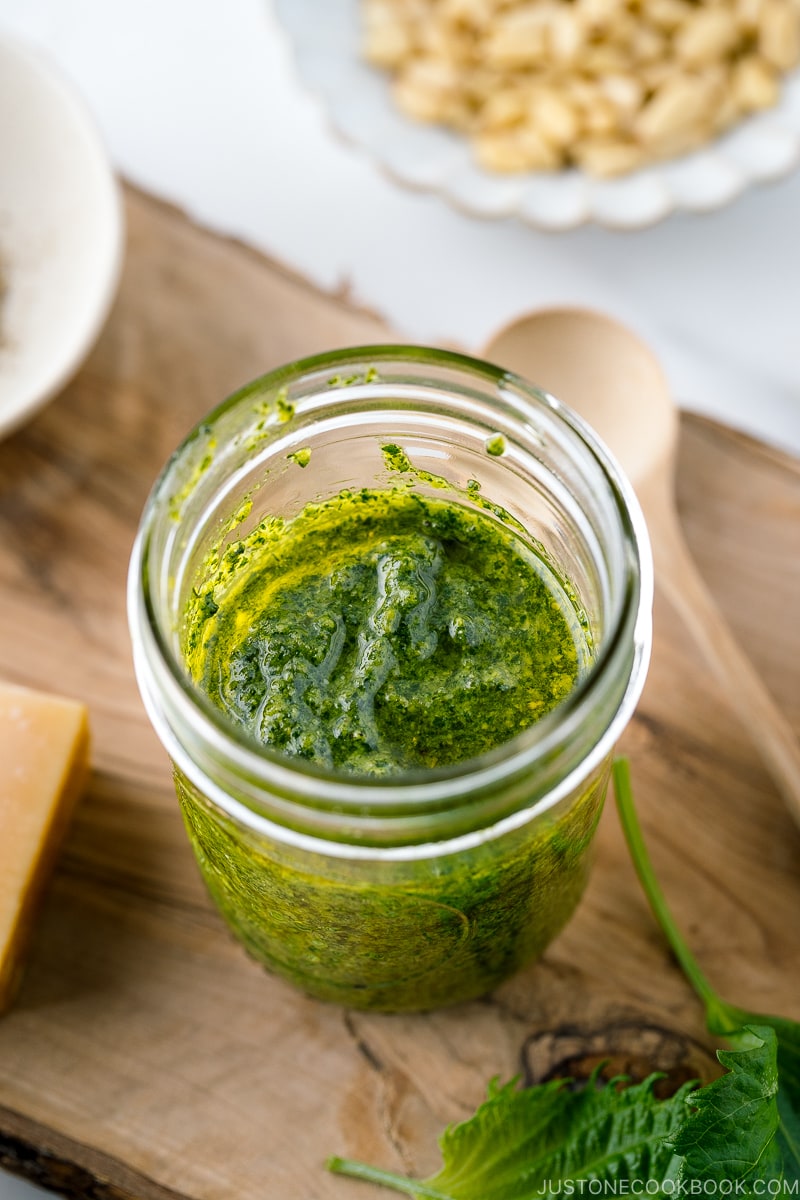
(612, 379)
(602, 371)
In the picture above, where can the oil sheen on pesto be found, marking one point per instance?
(385, 631)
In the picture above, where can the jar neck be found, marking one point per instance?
(554, 479)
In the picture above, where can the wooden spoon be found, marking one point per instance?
(603, 371)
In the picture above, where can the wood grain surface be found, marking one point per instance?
(147, 1056)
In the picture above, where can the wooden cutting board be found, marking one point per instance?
(147, 1056)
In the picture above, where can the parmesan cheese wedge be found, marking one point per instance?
(44, 745)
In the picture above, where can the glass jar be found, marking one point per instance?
(417, 890)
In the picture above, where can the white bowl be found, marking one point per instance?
(326, 40)
(60, 233)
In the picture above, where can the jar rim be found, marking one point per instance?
(421, 791)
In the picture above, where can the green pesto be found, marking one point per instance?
(496, 445)
(384, 631)
(371, 375)
(301, 457)
(284, 406)
(395, 937)
(379, 632)
(180, 497)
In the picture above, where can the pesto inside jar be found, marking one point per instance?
(382, 633)
(385, 631)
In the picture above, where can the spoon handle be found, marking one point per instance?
(680, 581)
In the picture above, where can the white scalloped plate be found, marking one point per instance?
(326, 39)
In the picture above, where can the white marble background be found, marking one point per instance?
(198, 103)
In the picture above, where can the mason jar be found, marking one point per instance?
(417, 889)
